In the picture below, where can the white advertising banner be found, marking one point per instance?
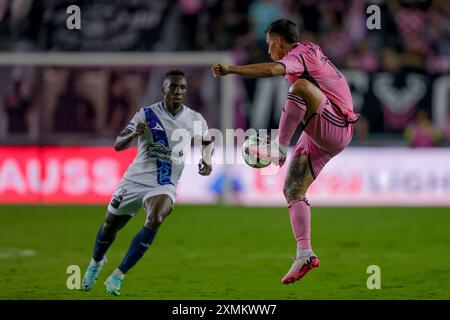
(356, 177)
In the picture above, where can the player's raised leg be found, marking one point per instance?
(105, 237)
(298, 180)
(157, 209)
(302, 102)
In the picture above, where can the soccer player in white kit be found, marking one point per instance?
(150, 181)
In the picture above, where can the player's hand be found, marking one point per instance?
(140, 128)
(204, 167)
(219, 69)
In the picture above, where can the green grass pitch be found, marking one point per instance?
(217, 252)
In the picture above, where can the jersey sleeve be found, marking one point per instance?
(201, 128)
(292, 64)
(204, 128)
(137, 118)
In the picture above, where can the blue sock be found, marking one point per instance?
(102, 244)
(138, 246)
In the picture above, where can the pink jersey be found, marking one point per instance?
(306, 60)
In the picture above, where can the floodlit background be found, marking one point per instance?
(66, 94)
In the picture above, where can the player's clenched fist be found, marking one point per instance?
(205, 167)
(140, 128)
(219, 69)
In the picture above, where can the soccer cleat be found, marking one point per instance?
(91, 275)
(300, 268)
(113, 284)
(271, 151)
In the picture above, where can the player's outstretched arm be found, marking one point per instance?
(126, 136)
(260, 70)
(205, 165)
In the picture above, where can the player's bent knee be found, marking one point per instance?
(291, 194)
(293, 191)
(155, 219)
(152, 223)
(107, 228)
(299, 86)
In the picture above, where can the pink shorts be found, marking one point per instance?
(325, 135)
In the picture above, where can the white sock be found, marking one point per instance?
(119, 273)
(96, 263)
(304, 253)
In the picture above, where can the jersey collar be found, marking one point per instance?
(163, 107)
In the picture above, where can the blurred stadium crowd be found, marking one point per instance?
(393, 71)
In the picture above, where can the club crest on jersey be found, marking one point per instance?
(157, 127)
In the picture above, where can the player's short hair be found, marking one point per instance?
(174, 73)
(285, 29)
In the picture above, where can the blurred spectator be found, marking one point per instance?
(414, 39)
(309, 14)
(119, 105)
(421, 133)
(17, 108)
(362, 57)
(336, 43)
(419, 30)
(390, 59)
(190, 10)
(261, 13)
(446, 130)
(362, 129)
(21, 24)
(73, 113)
(229, 24)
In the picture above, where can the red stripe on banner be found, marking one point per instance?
(61, 174)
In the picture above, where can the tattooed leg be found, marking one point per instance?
(298, 179)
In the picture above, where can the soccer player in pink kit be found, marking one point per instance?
(320, 98)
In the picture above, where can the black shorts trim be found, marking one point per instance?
(333, 117)
(333, 122)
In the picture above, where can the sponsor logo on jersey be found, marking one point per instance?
(163, 153)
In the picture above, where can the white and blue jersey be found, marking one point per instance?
(161, 148)
(161, 156)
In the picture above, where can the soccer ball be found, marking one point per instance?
(254, 161)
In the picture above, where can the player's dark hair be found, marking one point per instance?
(285, 29)
(174, 73)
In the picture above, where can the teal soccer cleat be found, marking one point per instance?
(113, 284)
(91, 275)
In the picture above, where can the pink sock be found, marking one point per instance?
(293, 113)
(301, 223)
